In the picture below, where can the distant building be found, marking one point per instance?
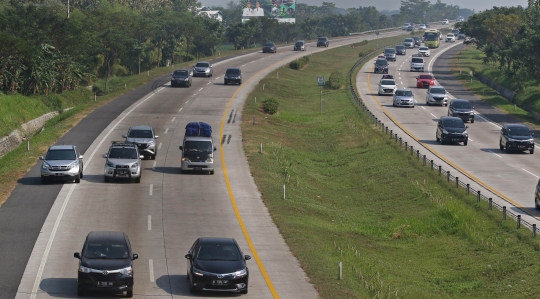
(214, 14)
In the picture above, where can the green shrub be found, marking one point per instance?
(299, 63)
(270, 106)
(337, 79)
(360, 44)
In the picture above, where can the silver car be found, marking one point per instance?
(409, 43)
(123, 161)
(203, 69)
(145, 138)
(403, 97)
(437, 95)
(63, 163)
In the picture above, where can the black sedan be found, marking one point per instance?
(181, 78)
(217, 264)
(269, 47)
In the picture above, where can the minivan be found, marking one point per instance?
(197, 154)
(516, 137)
(232, 75)
(461, 108)
(390, 54)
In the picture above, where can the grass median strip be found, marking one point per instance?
(354, 196)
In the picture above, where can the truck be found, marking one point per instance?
(197, 148)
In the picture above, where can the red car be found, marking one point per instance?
(425, 80)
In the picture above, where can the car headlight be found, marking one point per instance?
(71, 165)
(46, 165)
(210, 160)
(151, 143)
(127, 271)
(197, 272)
(465, 133)
(84, 269)
(444, 131)
(226, 77)
(512, 139)
(186, 159)
(109, 164)
(531, 140)
(240, 273)
(134, 165)
(186, 79)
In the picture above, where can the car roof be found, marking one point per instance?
(60, 147)
(436, 86)
(233, 68)
(216, 241)
(141, 127)
(111, 236)
(450, 117)
(300, 40)
(426, 74)
(182, 70)
(403, 89)
(198, 138)
(460, 100)
(203, 62)
(516, 126)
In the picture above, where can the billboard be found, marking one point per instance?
(282, 10)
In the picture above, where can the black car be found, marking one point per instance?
(381, 66)
(323, 42)
(299, 46)
(417, 41)
(401, 50)
(233, 75)
(217, 264)
(462, 109)
(269, 47)
(516, 137)
(181, 78)
(451, 129)
(106, 263)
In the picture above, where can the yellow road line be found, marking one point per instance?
(231, 195)
(533, 214)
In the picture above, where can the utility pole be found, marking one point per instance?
(68, 9)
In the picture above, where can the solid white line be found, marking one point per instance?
(166, 130)
(433, 115)
(151, 189)
(470, 139)
(530, 173)
(173, 118)
(180, 109)
(151, 268)
(59, 218)
(149, 222)
(187, 101)
(494, 153)
(200, 89)
(159, 146)
(154, 165)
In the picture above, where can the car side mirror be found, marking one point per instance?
(188, 256)
(156, 137)
(41, 158)
(181, 148)
(247, 257)
(104, 155)
(80, 156)
(532, 133)
(124, 136)
(141, 157)
(77, 255)
(135, 256)
(466, 127)
(215, 149)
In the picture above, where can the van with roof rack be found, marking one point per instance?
(198, 148)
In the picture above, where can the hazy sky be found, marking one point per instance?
(477, 5)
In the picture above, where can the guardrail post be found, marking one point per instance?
(457, 182)
(440, 170)
(391, 134)
(424, 160)
(382, 127)
(400, 140)
(412, 150)
(519, 222)
(376, 121)
(478, 196)
(468, 187)
(387, 130)
(534, 230)
(417, 155)
(406, 146)
(504, 213)
(490, 204)
(448, 176)
(431, 164)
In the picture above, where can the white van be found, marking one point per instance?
(445, 21)
(417, 63)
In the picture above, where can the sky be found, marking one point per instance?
(477, 5)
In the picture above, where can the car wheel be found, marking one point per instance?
(153, 157)
(44, 180)
(507, 149)
(138, 180)
(192, 289)
(78, 179)
(80, 292)
(412, 106)
(501, 147)
(181, 171)
(427, 103)
(536, 205)
(212, 172)
(244, 291)
(472, 121)
(107, 179)
(129, 294)
(442, 141)
(465, 142)
(436, 137)
(81, 174)
(394, 104)
(224, 82)
(240, 82)
(531, 151)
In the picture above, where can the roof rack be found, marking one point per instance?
(123, 143)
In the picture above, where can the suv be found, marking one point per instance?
(417, 41)
(381, 66)
(300, 45)
(123, 161)
(409, 43)
(106, 263)
(390, 54)
(181, 78)
(516, 137)
(401, 50)
(417, 63)
(451, 129)
(437, 95)
(233, 75)
(203, 69)
(387, 86)
(323, 42)
(462, 109)
(62, 162)
(145, 138)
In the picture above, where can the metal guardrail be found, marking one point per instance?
(441, 171)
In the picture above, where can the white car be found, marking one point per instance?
(387, 87)
(424, 51)
(422, 27)
(445, 21)
(450, 37)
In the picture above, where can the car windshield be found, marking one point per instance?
(322, 39)
(269, 45)
(181, 73)
(408, 40)
(400, 47)
(390, 51)
(449, 35)
(426, 77)
(198, 146)
(424, 48)
(438, 90)
(202, 64)
(431, 36)
(123, 153)
(462, 105)
(417, 60)
(106, 250)
(381, 62)
(404, 93)
(141, 134)
(299, 44)
(453, 123)
(388, 82)
(233, 72)
(519, 131)
(216, 252)
(65, 154)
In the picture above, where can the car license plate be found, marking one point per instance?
(102, 284)
(521, 146)
(197, 168)
(220, 282)
(58, 174)
(121, 172)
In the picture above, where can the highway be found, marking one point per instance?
(167, 211)
(509, 179)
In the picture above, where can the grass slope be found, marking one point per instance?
(354, 196)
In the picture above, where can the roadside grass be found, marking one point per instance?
(354, 196)
(470, 59)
